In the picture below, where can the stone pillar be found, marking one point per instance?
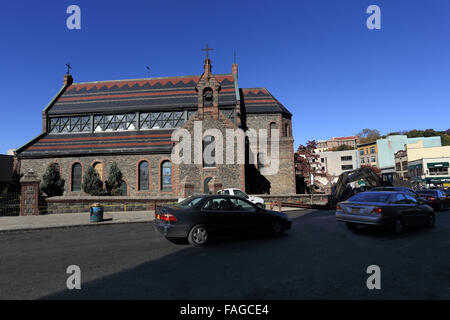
(29, 199)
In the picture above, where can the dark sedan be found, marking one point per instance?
(386, 209)
(435, 198)
(199, 217)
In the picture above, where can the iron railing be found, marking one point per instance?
(10, 204)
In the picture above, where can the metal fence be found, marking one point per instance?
(10, 204)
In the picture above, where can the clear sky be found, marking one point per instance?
(316, 57)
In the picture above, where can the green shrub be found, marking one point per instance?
(92, 184)
(114, 180)
(52, 184)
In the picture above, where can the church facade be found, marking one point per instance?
(131, 122)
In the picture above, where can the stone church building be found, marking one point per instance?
(130, 122)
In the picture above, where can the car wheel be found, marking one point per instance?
(431, 220)
(198, 236)
(276, 229)
(398, 226)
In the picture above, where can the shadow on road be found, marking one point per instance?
(314, 260)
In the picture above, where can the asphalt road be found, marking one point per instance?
(318, 259)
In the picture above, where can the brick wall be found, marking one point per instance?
(111, 204)
(284, 181)
(128, 164)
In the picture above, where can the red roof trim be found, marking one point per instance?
(79, 146)
(132, 95)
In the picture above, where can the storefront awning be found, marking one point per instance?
(438, 165)
(437, 180)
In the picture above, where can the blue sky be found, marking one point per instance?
(317, 57)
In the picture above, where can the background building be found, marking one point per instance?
(368, 154)
(335, 163)
(430, 171)
(328, 145)
(401, 164)
(388, 146)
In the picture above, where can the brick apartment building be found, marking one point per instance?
(329, 145)
(130, 122)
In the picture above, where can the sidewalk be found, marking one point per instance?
(71, 219)
(80, 219)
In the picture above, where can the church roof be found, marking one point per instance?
(45, 145)
(153, 94)
(259, 100)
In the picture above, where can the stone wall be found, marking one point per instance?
(283, 182)
(226, 175)
(295, 198)
(110, 204)
(128, 164)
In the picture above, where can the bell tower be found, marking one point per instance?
(208, 90)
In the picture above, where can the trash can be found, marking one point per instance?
(96, 212)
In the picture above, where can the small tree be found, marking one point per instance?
(368, 135)
(114, 180)
(342, 147)
(306, 160)
(52, 184)
(92, 184)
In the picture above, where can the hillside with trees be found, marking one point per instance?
(371, 135)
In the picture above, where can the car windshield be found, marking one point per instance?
(189, 202)
(370, 197)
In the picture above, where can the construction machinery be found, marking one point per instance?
(341, 191)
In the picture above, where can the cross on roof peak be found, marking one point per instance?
(207, 49)
(68, 67)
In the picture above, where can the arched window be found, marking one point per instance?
(260, 160)
(272, 126)
(205, 185)
(207, 97)
(209, 152)
(76, 177)
(144, 176)
(166, 176)
(98, 167)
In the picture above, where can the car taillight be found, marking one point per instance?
(338, 207)
(167, 217)
(431, 198)
(377, 210)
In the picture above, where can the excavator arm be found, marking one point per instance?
(342, 191)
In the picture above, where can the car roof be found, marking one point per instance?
(380, 192)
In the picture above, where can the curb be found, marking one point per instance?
(105, 223)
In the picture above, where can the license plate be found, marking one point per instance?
(356, 210)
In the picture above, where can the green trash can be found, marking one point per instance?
(96, 212)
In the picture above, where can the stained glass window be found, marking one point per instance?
(76, 177)
(143, 176)
(166, 175)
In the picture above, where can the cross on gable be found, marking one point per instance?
(207, 49)
(68, 68)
